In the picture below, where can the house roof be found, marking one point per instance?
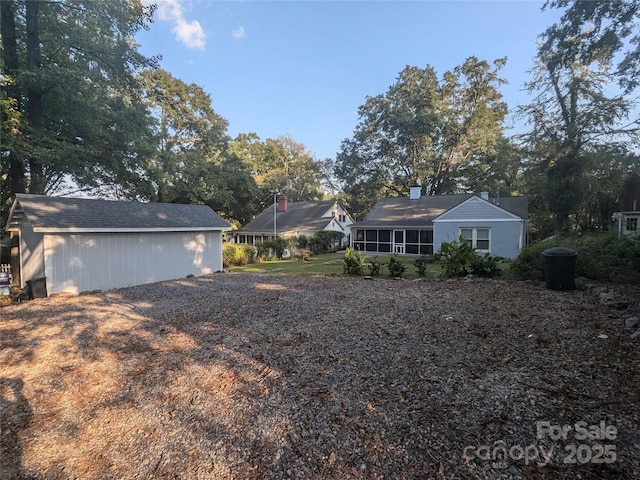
(303, 217)
(405, 212)
(63, 214)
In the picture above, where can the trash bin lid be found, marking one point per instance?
(559, 252)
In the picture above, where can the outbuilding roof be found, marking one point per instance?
(60, 214)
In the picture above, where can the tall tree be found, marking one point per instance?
(192, 161)
(69, 86)
(426, 129)
(608, 30)
(280, 165)
(573, 118)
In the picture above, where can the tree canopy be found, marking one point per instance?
(426, 129)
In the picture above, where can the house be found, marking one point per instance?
(628, 217)
(419, 224)
(80, 244)
(293, 219)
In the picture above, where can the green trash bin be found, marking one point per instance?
(560, 268)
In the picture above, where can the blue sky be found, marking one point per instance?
(302, 68)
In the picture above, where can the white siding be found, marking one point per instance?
(31, 254)
(100, 261)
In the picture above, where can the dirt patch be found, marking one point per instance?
(237, 376)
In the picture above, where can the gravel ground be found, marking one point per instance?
(237, 376)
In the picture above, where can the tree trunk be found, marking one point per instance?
(11, 66)
(34, 95)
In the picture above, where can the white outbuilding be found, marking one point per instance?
(80, 244)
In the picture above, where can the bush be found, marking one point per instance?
(374, 267)
(325, 241)
(456, 257)
(486, 265)
(602, 256)
(237, 254)
(530, 265)
(396, 267)
(270, 249)
(422, 263)
(303, 254)
(353, 262)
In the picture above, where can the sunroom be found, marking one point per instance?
(398, 240)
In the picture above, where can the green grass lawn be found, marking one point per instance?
(331, 264)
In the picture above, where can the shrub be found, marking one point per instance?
(530, 265)
(456, 257)
(601, 256)
(237, 254)
(325, 241)
(396, 267)
(486, 265)
(353, 262)
(303, 254)
(270, 249)
(421, 265)
(302, 242)
(374, 267)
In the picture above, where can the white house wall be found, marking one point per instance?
(101, 261)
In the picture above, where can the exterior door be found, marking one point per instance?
(398, 242)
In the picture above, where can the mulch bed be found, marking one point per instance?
(237, 376)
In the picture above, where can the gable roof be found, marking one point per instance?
(304, 217)
(63, 214)
(401, 212)
(404, 212)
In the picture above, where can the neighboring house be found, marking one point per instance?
(419, 224)
(628, 216)
(81, 244)
(293, 219)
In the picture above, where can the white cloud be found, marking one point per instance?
(238, 33)
(190, 33)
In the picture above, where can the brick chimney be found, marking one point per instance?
(283, 203)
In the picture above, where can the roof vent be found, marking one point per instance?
(484, 195)
(414, 193)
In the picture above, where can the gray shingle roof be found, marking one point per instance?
(304, 217)
(404, 212)
(60, 213)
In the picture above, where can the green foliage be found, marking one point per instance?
(456, 257)
(302, 241)
(91, 125)
(325, 241)
(237, 254)
(271, 249)
(601, 256)
(425, 126)
(422, 263)
(396, 267)
(374, 267)
(530, 265)
(486, 265)
(353, 262)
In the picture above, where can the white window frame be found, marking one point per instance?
(474, 237)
